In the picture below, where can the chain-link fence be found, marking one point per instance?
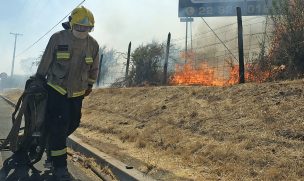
(212, 57)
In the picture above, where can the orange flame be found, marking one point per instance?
(209, 76)
(204, 75)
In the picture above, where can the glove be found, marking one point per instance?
(39, 77)
(88, 91)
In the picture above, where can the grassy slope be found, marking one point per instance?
(243, 132)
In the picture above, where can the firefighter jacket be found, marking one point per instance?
(70, 64)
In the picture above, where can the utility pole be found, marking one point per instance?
(14, 55)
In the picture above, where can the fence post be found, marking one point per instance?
(166, 60)
(99, 72)
(128, 63)
(241, 46)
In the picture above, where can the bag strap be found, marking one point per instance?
(12, 137)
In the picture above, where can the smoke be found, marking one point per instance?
(111, 66)
(209, 47)
(17, 81)
(29, 65)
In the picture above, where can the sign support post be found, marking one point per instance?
(187, 20)
(186, 43)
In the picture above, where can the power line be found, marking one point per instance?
(216, 29)
(48, 31)
(231, 24)
(217, 43)
(223, 32)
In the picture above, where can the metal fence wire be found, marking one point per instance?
(209, 60)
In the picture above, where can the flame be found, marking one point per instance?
(204, 75)
(208, 76)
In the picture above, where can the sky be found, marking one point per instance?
(117, 22)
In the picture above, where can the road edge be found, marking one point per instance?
(122, 171)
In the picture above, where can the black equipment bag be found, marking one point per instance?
(30, 110)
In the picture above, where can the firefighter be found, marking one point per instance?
(70, 65)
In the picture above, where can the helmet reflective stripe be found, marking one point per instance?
(84, 21)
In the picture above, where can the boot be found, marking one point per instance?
(48, 164)
(62, 174)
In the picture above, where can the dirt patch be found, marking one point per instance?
(242, 132)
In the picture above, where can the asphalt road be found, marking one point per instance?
(12, 172)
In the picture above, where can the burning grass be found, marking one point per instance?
(223, 75)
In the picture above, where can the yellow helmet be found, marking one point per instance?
(82, 16)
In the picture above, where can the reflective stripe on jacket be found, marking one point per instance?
(69, 63)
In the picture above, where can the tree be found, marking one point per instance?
(288, 40)
(147, 66)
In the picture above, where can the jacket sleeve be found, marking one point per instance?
(47, 58)
(94, 69)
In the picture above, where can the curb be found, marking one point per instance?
(11, 103)
(122, 171)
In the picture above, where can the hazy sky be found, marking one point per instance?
(117, 23)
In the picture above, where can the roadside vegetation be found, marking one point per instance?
(285, 57)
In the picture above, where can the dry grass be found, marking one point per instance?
(242, 132)
(12, 94)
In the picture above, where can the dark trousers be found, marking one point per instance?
(63, 118)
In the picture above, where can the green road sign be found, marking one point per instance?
(212, 8)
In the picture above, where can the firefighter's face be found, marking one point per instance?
(80, 35)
